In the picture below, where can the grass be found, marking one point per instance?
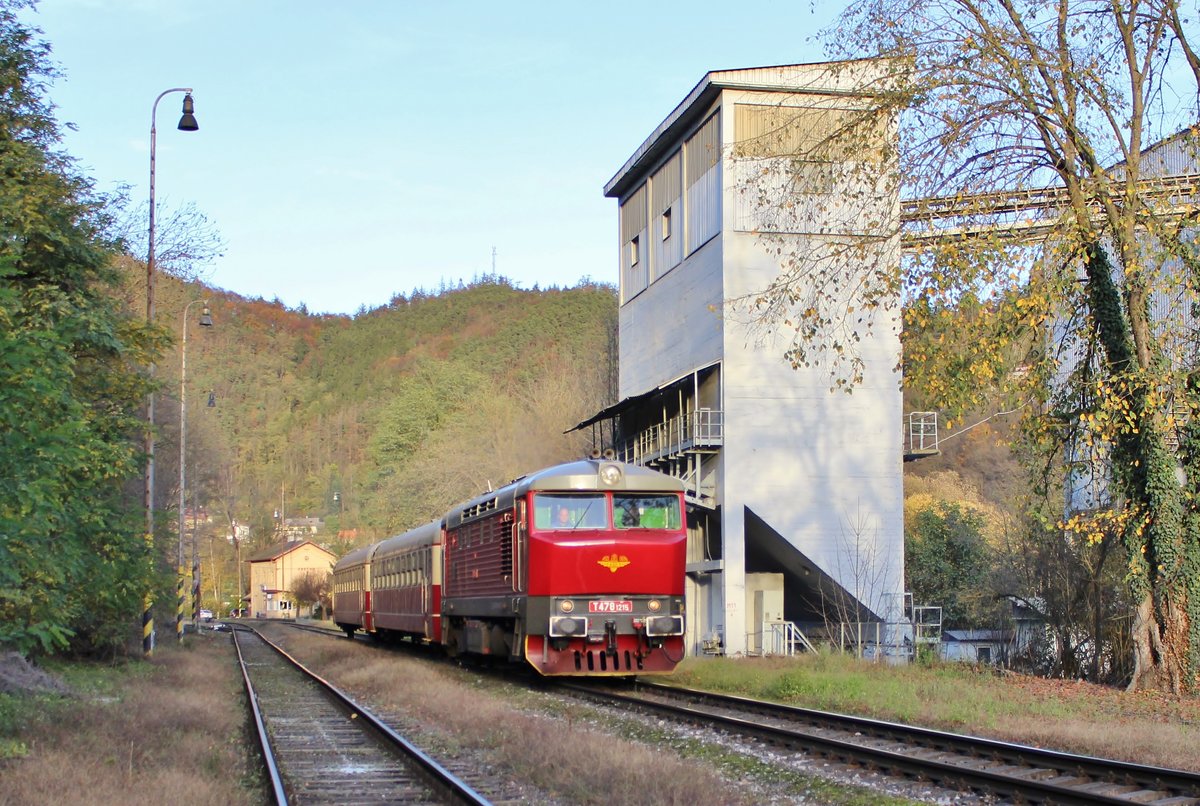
(166, 730)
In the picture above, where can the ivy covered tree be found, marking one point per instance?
(73, 566)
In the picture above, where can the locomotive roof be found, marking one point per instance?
(580, 476)
(584, 475)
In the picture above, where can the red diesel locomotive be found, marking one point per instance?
(577, 569)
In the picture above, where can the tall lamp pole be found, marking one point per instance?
(187, 123)
(205, 321)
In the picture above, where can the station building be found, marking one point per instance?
(275, 570)
(794, 489)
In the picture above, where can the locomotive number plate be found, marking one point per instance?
(610, 606)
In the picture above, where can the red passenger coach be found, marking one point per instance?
(576, 569)
(406, 581)
(352, 590)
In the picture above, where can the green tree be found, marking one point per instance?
(946, 562)
(72, 565)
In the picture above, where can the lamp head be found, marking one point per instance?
(206, 318)
(188, 123)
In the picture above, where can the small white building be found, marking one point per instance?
(795, 491)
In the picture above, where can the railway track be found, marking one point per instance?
(321, 747)
(995, 770)
(1011, 772)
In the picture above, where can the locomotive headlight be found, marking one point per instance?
(654, 605)
(567, 627)
(611, 474)
(566, 605)
(664, 625)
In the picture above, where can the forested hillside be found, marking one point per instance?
(381, 421)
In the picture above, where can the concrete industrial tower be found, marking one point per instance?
(794, 490)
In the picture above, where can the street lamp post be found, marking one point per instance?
(187, 123)
(205, 321)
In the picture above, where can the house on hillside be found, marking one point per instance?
(275, 569)
(794, 491)
(299, 528)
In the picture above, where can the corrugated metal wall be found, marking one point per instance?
(702, 211)
(666, 187)
(634, 276)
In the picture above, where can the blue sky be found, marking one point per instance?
(351, 151)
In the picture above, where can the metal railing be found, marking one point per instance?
(922, 432)
(700, 429)
(783, 638)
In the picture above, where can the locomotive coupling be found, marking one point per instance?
(610, 635)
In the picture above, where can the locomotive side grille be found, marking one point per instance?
(479, 557)
(478, 509)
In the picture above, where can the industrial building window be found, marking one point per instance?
(634, 224)
(702, 157)
(666, 196)
(817, 140)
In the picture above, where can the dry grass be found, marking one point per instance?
(165, 731)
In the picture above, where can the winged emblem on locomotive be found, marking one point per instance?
(613, 562)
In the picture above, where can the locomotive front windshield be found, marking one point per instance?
(632, 511)
(570, 512)
(590, 511)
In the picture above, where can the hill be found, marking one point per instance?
(372, 423)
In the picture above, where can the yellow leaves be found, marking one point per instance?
(1127, 405)
(1093, 527)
